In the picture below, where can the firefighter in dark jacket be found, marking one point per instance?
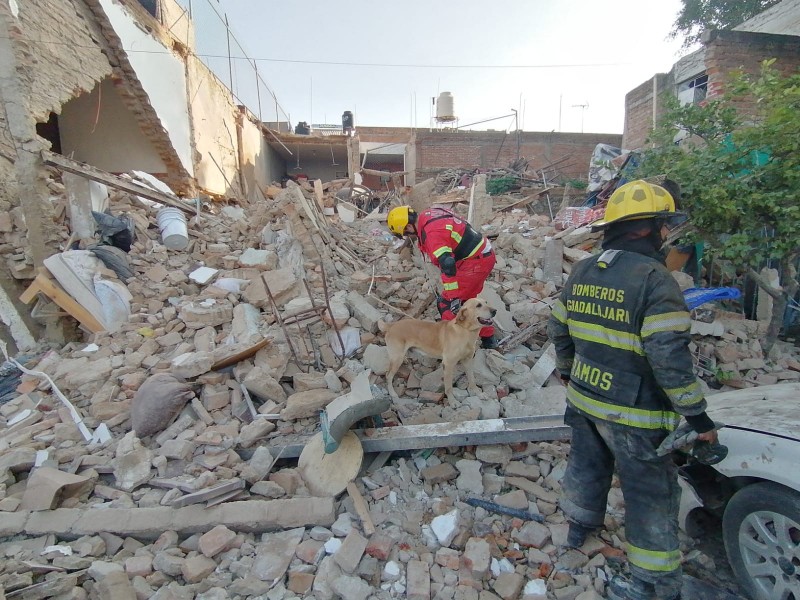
(621, 333)
(463, 255)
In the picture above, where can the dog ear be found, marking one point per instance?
(462, 314)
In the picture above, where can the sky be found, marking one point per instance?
(564, 65)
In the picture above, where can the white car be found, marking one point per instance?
(756, 489)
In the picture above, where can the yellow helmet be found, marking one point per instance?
(399, 217)
(639, 200)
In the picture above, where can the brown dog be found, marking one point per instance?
(452, 341)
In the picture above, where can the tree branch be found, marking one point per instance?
(776, 293)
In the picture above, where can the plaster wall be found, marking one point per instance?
(783, 19)
(411, 159)
(261, 165)
(162, 76)
(176, 20)
(97, 128)
(317, 168)
(690, 66)
(214, 133)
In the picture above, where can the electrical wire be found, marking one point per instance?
(351, 63)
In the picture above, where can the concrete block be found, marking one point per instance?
(418, 580)
(216, 540)
(349, 555)
(275, 553)
(306, 404)
(196, 568)
(367, 315)
(206, 312)
(477, 557)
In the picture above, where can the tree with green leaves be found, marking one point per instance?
(696, 16)
(739, 171)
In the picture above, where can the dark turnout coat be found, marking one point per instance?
(621, 332)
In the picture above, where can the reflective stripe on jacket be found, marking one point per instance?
(440, 231)
(621, 332)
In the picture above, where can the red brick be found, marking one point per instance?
(379, 546)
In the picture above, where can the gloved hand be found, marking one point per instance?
(448, 308)
(447, 264)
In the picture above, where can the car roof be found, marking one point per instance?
(771, 409)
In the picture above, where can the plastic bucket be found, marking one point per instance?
(347, 211)
(172, 223)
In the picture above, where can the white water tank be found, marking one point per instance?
(444, 108)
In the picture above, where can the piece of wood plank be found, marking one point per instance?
(520, 203)
(390, 174)
(58, 584)
(379, 461)
(362, 510)
(224, 498)
(55, 292)
(209, 493)
(240, 356)
(30, 293)
(318, 195)
(71, 166)
(248, 402)
(172, 484)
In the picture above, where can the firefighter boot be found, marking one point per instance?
(576, 536)
(620, 588)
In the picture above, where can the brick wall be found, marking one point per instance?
(57, 71)
(639, 109)
(387, 135)
(57, 55)
(436, 151)
(724, 52)
(439, 150)
(728, 51)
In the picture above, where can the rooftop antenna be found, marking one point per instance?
(583, 108)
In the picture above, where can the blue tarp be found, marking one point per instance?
(698, 296)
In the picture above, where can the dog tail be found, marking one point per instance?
(383, 326)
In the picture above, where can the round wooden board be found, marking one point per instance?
(329, 474)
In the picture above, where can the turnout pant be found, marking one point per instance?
(471, 273)
(649, 487)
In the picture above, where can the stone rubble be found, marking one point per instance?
(203, 507)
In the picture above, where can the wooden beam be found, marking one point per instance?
(361, 509)
(319, 195)
(71, 166)
(391, 174)
(52, 290)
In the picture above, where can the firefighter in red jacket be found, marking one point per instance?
(463, 255)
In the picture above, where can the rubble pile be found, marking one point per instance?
(163, 477)
(518, 171)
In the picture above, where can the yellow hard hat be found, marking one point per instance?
(399, 217)
(639, 200)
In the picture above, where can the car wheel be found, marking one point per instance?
(761, 529)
